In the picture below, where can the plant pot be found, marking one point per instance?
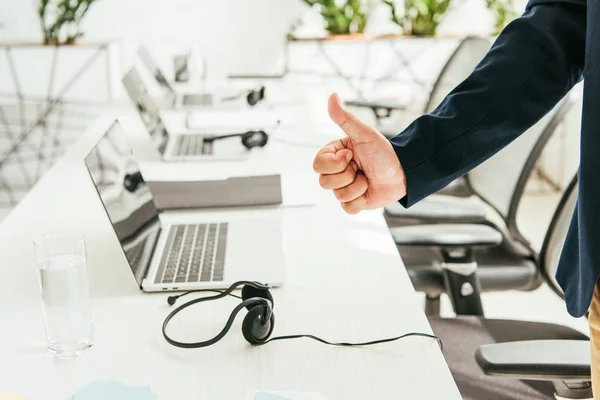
(348, 36)
(56, 43)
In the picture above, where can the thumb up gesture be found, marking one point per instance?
(362, 169)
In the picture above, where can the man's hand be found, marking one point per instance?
(362, 169)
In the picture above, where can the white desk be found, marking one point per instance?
(345, 282)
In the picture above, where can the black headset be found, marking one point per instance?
(132, 181)
(250, 139)
(259, 322)
(253, 96)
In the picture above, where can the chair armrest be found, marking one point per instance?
(379, 104)
(447, 235)
(381, 108)
(540, 360)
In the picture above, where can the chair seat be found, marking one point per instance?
(447, 235)
(460, 354)
(441, 208)
(499, 268)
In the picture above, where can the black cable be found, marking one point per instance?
(172, 299)
(369, 343)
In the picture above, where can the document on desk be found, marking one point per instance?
(10, 396)
(113, 390)
(268, 395)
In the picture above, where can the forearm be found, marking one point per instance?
(534, 62)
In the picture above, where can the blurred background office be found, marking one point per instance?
(389, 60)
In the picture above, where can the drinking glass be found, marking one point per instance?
(64, 285)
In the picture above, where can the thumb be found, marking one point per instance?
(354, 128)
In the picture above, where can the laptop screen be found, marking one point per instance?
(151, 64)
(147, 108)
(125, 197)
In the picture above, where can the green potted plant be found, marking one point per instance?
(504, 12)
(420, 17)
(61, 19)
(346, 17)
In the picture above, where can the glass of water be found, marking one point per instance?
(65, 293)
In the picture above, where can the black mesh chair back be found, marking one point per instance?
(557, 232)
(500, 181)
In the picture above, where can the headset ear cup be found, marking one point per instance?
(255, 139)
(250, 292)
(255, 330)
(252, 98)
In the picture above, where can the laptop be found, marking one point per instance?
(179, 99)
(181, 250)
(183, 146)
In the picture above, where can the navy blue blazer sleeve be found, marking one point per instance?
(533, 63)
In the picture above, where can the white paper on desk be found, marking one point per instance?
(299, 190)
(233, 119)
(268, 395)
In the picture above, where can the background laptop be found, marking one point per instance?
(181, 250)
(177, 147)
(178, 99)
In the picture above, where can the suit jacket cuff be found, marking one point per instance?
(419, 180)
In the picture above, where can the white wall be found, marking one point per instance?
(229, 31)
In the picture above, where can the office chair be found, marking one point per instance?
(513, 360)
(461, 63)
(443, 257)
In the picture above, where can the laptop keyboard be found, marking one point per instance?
(192, 145)
(134, 254)
(194, 253)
